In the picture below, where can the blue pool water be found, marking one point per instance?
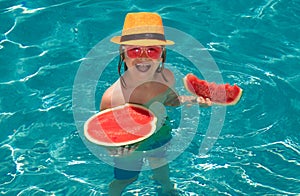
(255, 44)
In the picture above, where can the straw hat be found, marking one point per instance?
(143, 29)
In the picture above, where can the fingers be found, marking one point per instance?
(204, 102)
(208, 102)
(200, 100)
(122, 150)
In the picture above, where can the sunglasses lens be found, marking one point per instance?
(134, 52)
(153, 52)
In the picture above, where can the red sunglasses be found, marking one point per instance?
(153, 52)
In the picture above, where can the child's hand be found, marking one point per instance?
(190, 100)
(203, 102)
(122, 150)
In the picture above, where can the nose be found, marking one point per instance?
(144, 53)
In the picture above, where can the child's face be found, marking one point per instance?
(143, 59)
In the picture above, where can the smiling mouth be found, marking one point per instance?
(142, 67)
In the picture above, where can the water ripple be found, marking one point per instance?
(280, 148)
(255, 44)
(25, 10)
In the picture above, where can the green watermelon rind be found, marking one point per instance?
(235, 101)
(118, 144)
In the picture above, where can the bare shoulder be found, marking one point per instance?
(106, 98)
(113, 96)
(169, 76)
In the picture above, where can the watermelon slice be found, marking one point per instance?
(221, 94)
(119, 126)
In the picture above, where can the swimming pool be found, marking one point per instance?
(254, 44)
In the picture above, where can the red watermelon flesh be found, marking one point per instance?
(122, 125)
(223, 94)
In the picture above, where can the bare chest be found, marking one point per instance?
(145, 94)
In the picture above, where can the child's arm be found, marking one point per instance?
(189, 100)
(175, 100)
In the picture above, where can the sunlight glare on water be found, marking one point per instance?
(255, 45)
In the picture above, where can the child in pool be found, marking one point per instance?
(145, 81)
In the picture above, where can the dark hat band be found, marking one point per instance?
(157, 36)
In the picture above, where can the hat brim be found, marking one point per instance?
(142, 42)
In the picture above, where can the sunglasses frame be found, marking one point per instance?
(144, 49)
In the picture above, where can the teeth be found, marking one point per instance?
(143, 67)
(142, 64)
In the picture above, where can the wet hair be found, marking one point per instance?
(125, 68)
